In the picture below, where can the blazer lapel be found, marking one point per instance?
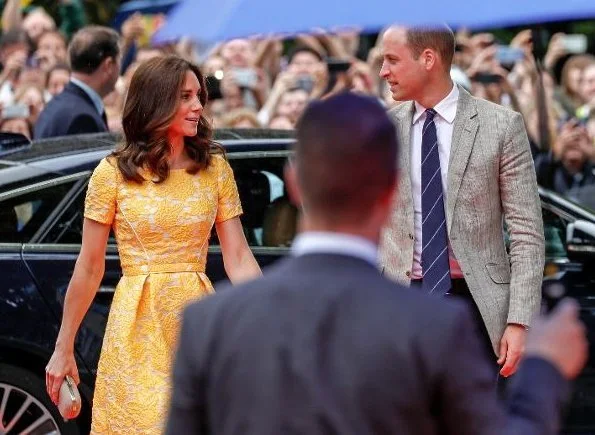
(463, 138)
(403, 117)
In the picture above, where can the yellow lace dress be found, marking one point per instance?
(162, 233)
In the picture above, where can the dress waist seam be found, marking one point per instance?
(163, 268)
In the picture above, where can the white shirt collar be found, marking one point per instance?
(447, 108)
(320, 242)
(95, 98)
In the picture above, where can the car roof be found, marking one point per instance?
(232, 139)
(35, 161)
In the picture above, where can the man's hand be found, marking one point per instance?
(561, 339)
(512, 347)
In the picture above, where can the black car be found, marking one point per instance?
(42, 191)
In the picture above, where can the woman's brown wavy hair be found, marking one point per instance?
(151, 104)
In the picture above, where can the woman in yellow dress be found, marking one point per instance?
(161, 191)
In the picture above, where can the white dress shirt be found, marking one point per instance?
(321, 242)
(446, 111)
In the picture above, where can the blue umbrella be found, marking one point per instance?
(209, 20)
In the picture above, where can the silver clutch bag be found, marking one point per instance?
(69, 401)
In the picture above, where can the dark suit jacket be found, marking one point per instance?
(323, 344)
(70, 112)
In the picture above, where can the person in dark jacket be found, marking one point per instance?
(95, 61)
(324, 344)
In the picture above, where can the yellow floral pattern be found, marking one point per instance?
(162, 232)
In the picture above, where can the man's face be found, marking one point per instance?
(237, 53)
(304, 63)
(405, 75)
(51, 49)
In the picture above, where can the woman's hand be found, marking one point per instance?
(61, 363)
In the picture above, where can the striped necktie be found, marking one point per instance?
(434, 254)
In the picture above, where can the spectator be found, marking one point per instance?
(570, 163)
(51, 49)
(36, 23)
(31, 96)
(569, 93)
(241, 118)
(281, 123)
(57, 78)
(292, 104)
(14, 122)
(95, 61)
(13, 56)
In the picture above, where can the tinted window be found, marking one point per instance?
(268, 220)
(21, 215)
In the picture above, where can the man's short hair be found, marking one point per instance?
(438, 38)
(345, 156)
(303, 49)
(13, 37)
(90, 46)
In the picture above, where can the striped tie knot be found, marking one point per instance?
(430, 113)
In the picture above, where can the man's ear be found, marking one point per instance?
(292, 185)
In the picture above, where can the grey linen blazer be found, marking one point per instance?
(491, 180)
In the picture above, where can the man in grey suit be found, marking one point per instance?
(323, 344)
(466, 168)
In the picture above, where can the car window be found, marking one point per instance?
(269, 218)
(23, 211)
(554, 229)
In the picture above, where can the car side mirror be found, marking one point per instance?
(580, 240)
(12, 142)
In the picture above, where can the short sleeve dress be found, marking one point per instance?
(162, 232)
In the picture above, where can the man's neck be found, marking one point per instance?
(89, 81)
(435, 91)
(309, 225)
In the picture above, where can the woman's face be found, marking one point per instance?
(185, 122)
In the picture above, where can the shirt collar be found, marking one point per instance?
(93, 95)
(447, 108)
(322, 242)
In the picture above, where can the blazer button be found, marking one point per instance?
(408, 273)
(411, 236)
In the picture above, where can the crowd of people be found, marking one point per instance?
(438, 88)
(267, 83)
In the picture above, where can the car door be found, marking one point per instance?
(51, 255)
(269, 219)
(23, 211)
(577, 274)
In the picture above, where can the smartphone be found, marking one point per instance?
(486, 79)
(508, 55)
(245, 77)
(305, 82)
(575, 44)
(213, 88)
(15, 111)
(337, 65)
